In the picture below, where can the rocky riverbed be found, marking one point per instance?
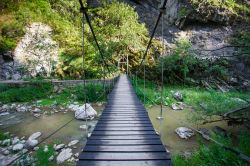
(25, 125)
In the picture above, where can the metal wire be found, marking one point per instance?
(154, 30)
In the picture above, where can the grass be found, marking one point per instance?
(43, 92)
(4, 136)
(28, 93)
(233, 6)
(215, 155)
(43, 157)
(95, 93)
(208, 102)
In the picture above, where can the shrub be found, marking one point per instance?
(7, 44)
(94, 92)
(31, 92)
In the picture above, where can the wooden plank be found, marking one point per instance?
(123, 122)
(124, 134)
(124, 163)
(124, 137)
(127, 148)
(124, 142)
(126, 119)
(124, 128)
(123, 156)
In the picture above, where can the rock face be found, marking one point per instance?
(184, 132)
(182, 20)
(64, 155)
(36, 54)
(81, 113)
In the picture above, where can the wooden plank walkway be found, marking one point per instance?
(124, 135)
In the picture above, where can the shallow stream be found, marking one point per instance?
(174, 119)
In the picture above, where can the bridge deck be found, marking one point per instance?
(124, 135)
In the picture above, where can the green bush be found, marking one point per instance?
(182, 65)
(25, 94)
(7, 44)
(211, 155)
(94, 92)
(43, 157)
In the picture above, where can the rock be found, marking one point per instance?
(30, 143)
(184, 132)
(35, 135)
(6, 152)
(36, 110)
(74, 142)
(220, 131)
(37, 115)
(6, 142)
(4, 113)
(205, 133)
(24, 151)
(80, 112)
(36, 148)
(21, 109)
(64, 155)
(46, 149)
(51, 158)
(59, 147)
(178, 96)
(83, 127)
(37, 52)
(178, 106)
(76, 155)
(16, 76)
(15, 140)
(17, 147)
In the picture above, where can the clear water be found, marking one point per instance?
(174, 119)
(25, 124)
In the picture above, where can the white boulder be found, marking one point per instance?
(184, 132)
(74, 142)
(35, 135)
(30, 143)
(64, 155)
(59, 147)
(17, 147)
(81, 113)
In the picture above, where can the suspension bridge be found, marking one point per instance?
(124, 134)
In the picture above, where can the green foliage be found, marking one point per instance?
(234, 6)
(93, 92)
(183, 12)
(116, 27)
(4, 136)
(244, 142)
(182, 65)
(42, 156)
(6, 44)
(25, 94)
(205, 103)
(213, 154)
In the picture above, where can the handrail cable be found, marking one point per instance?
(162, 9)
(54, 132)
(84, 10)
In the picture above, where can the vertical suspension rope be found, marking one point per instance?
(144, 87)
(84, 74)
(162, 74)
